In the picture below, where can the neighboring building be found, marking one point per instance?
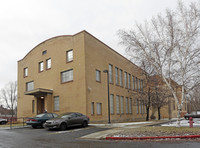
(65, 74)
(169, 110)
(4, 112)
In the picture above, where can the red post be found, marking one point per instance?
(191, 122)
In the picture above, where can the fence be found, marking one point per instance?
(15, 122)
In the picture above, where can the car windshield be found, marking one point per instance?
(65, 115)
(39, 116)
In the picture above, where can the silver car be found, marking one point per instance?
(66, 120)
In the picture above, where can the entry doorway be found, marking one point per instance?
(40, 105)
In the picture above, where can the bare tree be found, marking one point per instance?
(194, 99)
(160, 98)
(146, 94)
(170, 43)
(9, 95)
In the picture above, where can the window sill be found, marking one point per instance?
(67, 82)
(69, 61)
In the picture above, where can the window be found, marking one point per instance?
(110, 73)
(56, 103)
(44, 52)
(126, 105)
(142, 85)
(141, 106)
(125, 79)
(136, 83)
(33, 106)
(116, 76)
(137, 106)
(41, 66)
(122, 104)
(111, 103)
(69, 55)
(133, 82)
(67, 76)
(117, 104)
(29, 86)
(98, 75)
(92, 108)
(99, 108)
(130, 105)
(26, 72)
(48, 63)
(120, 78)
(129, 81)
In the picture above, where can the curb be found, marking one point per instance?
(145, 138)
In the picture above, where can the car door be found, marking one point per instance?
(79, 119)
(73, 119)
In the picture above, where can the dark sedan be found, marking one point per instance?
(40, 119)
(3, 121)
(194, 114)
(66, 120)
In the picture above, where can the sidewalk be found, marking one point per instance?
(118, 131)
(118, 127)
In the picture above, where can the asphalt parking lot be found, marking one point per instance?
(40, 138)
(72, 138)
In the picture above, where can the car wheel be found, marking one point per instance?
(3, 122)
(63, 126)
(84, 124)
(43, 125)
(34, 126)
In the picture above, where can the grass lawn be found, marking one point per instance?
(157, 131)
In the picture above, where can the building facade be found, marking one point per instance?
(66, 74)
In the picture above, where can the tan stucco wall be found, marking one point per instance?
(99, 56)
(72, 94)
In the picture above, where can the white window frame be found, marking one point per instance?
(125, 79)
(111, 104)
(116, 76)
(99, 108)
(48, 63)
(117, 104)
(137, 106)
(98, 75)
(41, 66)
(92, 108)
(122, 104)
(129, 81)
(126, 101)
(67, 76)
(133, 82)
(110, 73)
(120, 77)
(30, 86)
(26, 72)
(56, 103)
(70, 55)
(130, 105)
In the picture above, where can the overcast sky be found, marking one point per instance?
(26, 23)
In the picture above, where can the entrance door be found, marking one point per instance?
(40, 105)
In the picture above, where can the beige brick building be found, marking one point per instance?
(65, 74)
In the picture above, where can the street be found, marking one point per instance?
(43, 138)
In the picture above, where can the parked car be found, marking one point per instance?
(193, 114)
(40, 119)
(66, 120)
(3, 121)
